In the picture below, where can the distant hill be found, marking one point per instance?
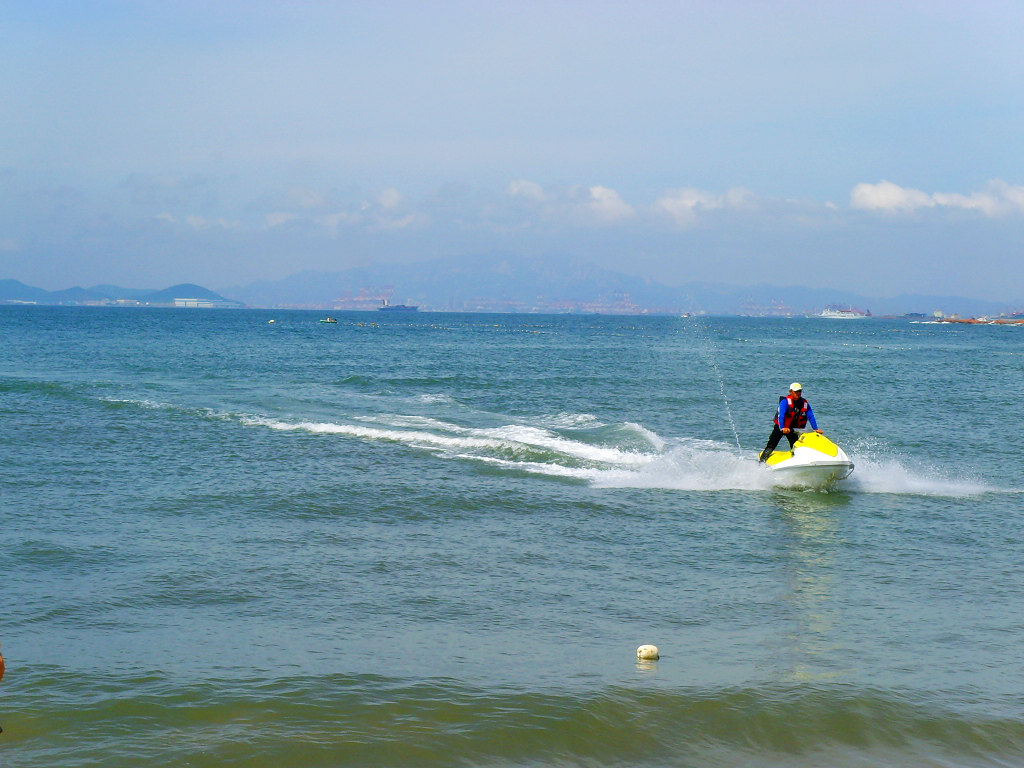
(501, 282)
(15, 292)
(74, 295)
(117, 292)
(494, 280)
(183, 290)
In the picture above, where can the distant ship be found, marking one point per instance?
(841, 313)
(386, 307)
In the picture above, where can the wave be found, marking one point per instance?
(571, 420)
(155, 405)
(581, 448)
(625, 455)
(880, 470)
(431, 399)
(339, 719)
(895, 477)
(10, 385)
(517, 444)
(49, 388)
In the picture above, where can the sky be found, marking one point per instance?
(871, 146)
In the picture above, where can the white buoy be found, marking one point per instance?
(647, 653)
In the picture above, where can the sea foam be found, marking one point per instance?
(891, 475)
(624, 455)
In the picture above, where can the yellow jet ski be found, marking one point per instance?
(814, 462)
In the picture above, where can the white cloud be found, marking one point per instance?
(199, 223)
(333, 221)
(602, 205)
(389, 198)
(683, 205)
(886, 196)
(400, 223)
(277, 218)
(977, 201)
(998, 199)
(738, 198)
(1014, 195)
(526, 189)
(379, 212)
(579, 205)
(305, 198)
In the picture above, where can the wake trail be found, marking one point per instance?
(579, 447)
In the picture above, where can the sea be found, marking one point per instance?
(250, 538)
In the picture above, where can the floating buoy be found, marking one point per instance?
(647, 653)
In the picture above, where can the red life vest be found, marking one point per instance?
(796, 412)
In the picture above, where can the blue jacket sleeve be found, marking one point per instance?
(783, 407)
(810, 417)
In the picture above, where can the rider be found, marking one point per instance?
(794, 413)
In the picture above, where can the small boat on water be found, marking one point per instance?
(328, 320)
(815, 462)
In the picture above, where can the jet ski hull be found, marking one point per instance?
(815, 462)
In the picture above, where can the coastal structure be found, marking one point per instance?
(1012, 320)
(201, 303)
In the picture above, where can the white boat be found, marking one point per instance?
(843, 313)
(814, 462)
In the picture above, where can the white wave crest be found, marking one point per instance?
(652, 437)
(691, 467)
(431, 399)
(148, 404)
(890, 475)
(571, 420)
(615, 458)
(535, 437)
(416, 438)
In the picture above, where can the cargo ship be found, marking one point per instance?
(385, 306)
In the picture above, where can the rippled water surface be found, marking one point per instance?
(438, 540)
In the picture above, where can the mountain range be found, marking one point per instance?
(501, 282)
(15, 292)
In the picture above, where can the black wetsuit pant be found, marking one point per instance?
(776, 436)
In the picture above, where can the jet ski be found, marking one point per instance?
(814, 462)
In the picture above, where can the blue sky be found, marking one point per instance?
(874, 146)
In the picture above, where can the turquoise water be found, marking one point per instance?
(438, 540)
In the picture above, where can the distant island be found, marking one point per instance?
(181, 295)
(503, 283)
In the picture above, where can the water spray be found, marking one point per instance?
(710, 353)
